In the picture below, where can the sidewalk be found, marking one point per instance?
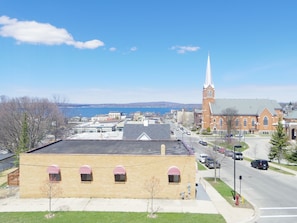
(230, 213)
(209, 202)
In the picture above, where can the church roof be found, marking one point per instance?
(245, 106)
(291, 115)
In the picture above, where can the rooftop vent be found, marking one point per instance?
(163, 149)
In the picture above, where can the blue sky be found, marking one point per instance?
(117, 51)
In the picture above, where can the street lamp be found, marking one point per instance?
(234, 157)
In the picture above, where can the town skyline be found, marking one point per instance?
(126, 52)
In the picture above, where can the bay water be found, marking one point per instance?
(93, 111)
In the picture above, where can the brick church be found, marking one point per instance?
(252, 115)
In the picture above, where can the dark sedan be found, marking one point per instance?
(203, 143)
(260, 164)
(211, 164)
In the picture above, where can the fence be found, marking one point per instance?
(13, 178)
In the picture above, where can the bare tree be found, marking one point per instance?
(41, 114)
(51, 189)
(153, 187)
(229, 116)
(217, 162)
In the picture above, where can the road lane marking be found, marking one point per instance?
(278, 216)
(278, 208)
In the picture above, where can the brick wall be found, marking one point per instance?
(139, 169)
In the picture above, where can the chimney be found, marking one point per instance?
(146, 122)
(163, 150)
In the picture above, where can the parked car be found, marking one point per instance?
(216, 148)
(238, 135)
(202, 157)
(260, 164)
(203, 143)
(211, 164)
(237, 156)
(222, 150)
(228, 153)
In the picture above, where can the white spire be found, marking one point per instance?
(208, 74)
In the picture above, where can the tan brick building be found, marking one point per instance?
(109, 169)
(253, 115)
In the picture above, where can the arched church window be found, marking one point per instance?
(237, 122)
(221, 123)
(265, 121)
(209, 93)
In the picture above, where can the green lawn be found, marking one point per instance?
(108, 217)
(292, 167)
(226, 192)
(201, 166)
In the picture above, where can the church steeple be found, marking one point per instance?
(208, 97)
(208, 81)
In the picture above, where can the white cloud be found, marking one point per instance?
(33, 32)
(132, 49)
(112, 49)
(184, 49)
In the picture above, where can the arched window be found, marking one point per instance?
(173, 175)
(244, 123)
(237, 122)
(265, 121)
(85, 173)
(221, 123)
(54, 173)
(119, 174)
(209, 93)
(253, 122)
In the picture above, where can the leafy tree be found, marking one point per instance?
(24, 139)
(279, 141)
(291, 156)
(43, 117)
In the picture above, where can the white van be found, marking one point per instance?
(237, 156)
(202, 157)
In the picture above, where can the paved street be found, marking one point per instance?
(273, 194)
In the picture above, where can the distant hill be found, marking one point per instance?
(137, 105)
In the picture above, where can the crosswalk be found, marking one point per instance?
(289, 213)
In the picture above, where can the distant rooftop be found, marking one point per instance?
(153, 131)
(122, 147)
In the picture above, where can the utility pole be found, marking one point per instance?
(234, 157)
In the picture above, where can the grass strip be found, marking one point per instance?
(108, 217)
(226, 192)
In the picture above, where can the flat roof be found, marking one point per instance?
(121, 147)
